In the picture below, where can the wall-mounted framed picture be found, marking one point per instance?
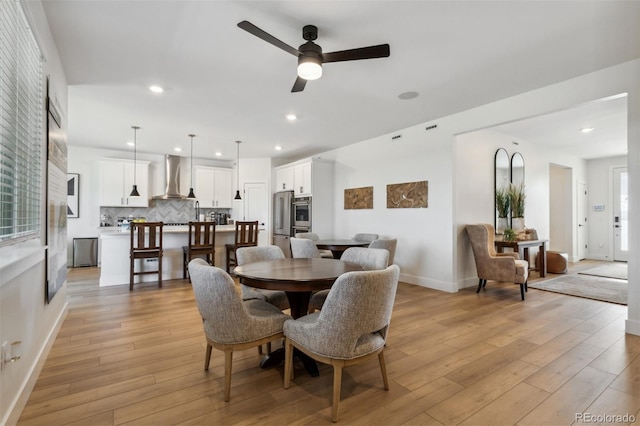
(410, 195)
(358, 198)
(73, 195)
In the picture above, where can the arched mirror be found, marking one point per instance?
(502, 178)
(517, 169)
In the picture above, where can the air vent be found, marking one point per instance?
(433, 126)
(396, 137)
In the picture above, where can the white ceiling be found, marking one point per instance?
(223, 84)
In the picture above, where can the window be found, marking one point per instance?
(20, 126)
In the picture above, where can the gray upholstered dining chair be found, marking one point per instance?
(303, 248)
(365, 237)
(495, 266)
(351, 328)
(315, 237)
(368, 258)
(389, 244)
(229, 323)
(256, 254)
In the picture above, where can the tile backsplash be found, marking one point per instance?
(181, 211)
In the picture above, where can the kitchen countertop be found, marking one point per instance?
(114, 231)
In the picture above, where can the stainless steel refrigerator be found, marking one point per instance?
(283, 220)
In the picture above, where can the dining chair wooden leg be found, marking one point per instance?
(228, 359)
(131, 266)
(288, 362)
(207, 357)
(160, 271)
(383, 369)
(337, 386)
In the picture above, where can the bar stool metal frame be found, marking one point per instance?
(146, 243)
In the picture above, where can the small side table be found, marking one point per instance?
(522, 248)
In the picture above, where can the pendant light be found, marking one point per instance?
(238, 197)
(134, 191)
(191, 194)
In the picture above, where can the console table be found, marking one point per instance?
(522, 248)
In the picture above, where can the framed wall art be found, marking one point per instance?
(410, 195)
(73, 195)
(358, 198)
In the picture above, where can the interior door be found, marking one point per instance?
(256, 207)
(582, 211)
(620, 214)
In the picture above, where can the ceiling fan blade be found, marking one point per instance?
(371, 52)
(249, 27)
(298, 86)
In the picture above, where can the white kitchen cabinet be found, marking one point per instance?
(284, 178)
(302, 185)
(213, 187)
(116, 179)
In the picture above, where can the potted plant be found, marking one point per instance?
(516, 202)
(502, 208)
(509, 235)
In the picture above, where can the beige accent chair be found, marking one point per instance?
(303, 248)
(490, 265)
(390, 245)
(314, 237)
(351, 328)
(229, 323)
(365, 237)
(368, 258)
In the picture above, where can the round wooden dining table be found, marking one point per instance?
(298, 278)
(338, 247)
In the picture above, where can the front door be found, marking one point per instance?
(620, 214)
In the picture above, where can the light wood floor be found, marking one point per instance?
(466, 358)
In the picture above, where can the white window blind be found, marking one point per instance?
(20, 126)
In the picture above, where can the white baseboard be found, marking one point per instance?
(632, 327)
(428, 283)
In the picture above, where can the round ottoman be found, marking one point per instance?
(557, 262)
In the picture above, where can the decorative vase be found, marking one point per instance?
(503, 223)
(517, 223)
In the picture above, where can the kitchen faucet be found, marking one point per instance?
(197, 210)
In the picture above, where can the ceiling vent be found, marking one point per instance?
(433, 126)
(396, 137)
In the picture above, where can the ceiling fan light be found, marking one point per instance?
(309, 68)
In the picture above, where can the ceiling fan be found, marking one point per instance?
(310, 56)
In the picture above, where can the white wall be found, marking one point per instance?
(474, 197)
(432, 241)
(600, 190)
(24, 314)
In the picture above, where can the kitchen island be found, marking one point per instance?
(114, 253)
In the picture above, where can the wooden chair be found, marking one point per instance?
(246, 236)
(146, 243)
(202, 243)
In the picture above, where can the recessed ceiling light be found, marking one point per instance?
(177, 149)
(156, 89)
(408, 95)
(218, 154)
(291, 117)
(278, 148)
(130, 144)
(586, 129)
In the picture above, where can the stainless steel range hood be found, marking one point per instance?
(172, 170)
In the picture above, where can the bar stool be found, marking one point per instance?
(202, 242)
(246, 236)
(146, 243)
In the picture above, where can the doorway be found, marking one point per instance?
(256, 207)
(620, 214)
